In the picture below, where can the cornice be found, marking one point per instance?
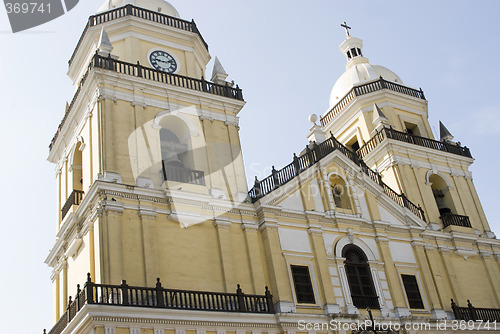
(268, 226)
(391, 98)
(78, 114)
(91, 315)
(222, 223)
(428, 155)
(110, 80)
(249, 227)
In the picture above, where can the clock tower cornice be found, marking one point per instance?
(100, 83)
(183, 35)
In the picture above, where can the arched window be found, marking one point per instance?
(340, 193)
(177, 154)
(442, 195)
(171, 148)
(359, 277)
(76, 168)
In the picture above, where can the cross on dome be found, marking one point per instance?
(346, 27)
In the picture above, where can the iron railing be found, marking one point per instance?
(312, 155)
(137, 70)
(74, 198)
(184, 175)
(160, 297)
(146, 14)
(456, 220)
(390, 133)
(475, 313)
(367, 88)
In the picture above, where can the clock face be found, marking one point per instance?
(162, 61)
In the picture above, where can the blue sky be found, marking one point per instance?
(285, 57)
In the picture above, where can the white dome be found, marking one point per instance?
(160, 6)
(358, 74)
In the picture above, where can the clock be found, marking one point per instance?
(162, 61)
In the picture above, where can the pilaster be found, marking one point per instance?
(429, 285)
(226, 251)
(277, 269)
(148, 215)
(446, 262)
(441, 282)
(113, 241)
(493, 273)
(392, 276)
(250, 231)
(325, 283)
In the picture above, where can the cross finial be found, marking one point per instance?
(346, 27)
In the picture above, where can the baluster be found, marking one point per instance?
(139, 69)
(241, 302)
(68, 310)
(124, 292)
(455, 310)
(269, 300)
(89, 286)
(77, 298)
(471, 310)
(257, 188)
(275, 178)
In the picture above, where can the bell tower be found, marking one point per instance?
(385, 122)
(147, 150)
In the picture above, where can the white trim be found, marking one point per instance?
(177, 114)
(412, 271)
(341, 243)
(310, 265)
(413, 120)
(441, 175)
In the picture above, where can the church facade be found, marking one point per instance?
(375, 223)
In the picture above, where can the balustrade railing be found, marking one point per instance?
(390, 133)
(368, 88)
(184, 175)
(146, 14)
(74, 198)
(160, 297)
(138, 70)
(456, 220)
(312, 155)
(475, 313)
